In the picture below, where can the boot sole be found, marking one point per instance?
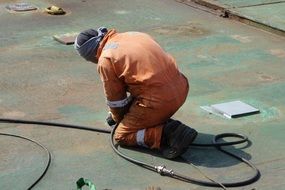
(187, 139)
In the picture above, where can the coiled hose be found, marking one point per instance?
(162, 170)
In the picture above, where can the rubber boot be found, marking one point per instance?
(176, 138)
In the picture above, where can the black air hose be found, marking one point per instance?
(160, 169)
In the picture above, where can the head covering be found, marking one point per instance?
(87, 42)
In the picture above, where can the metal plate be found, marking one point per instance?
(234, 109)
(66, 39)
(21, 7)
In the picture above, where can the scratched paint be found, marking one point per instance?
(80, 113)
(223, 60)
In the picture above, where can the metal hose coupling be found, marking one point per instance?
(163, 171)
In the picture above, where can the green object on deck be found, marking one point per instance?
(82, 182)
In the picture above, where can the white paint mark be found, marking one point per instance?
(62, 82)
(242, 39)
(202, 56)
(121, 12)
(278, 52)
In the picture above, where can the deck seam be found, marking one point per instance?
(231, 14)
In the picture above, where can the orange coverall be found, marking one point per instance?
(133, 63)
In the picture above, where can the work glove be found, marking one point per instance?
(110, 121)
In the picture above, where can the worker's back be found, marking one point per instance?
(147, 70)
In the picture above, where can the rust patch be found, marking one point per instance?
(89, 146)
(183, 30)
(265, 77)
(245, 79)
(224, 48)
(13, 114)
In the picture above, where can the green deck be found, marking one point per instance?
(225, 60)
(245, 3)
(271, 15)
(268, 14)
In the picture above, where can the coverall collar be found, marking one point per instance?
(108, 36)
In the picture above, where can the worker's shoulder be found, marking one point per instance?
(124, 39)
(111, 45)
(131, 35)
(126, 42)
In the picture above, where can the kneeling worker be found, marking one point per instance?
(143, 88)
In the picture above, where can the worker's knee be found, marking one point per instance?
(127, 139)
(118, 137)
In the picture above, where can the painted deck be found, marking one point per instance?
(265, 14)
(44, 80)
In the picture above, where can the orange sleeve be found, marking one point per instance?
(114, 88)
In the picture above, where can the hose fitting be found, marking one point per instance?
(163, 171)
